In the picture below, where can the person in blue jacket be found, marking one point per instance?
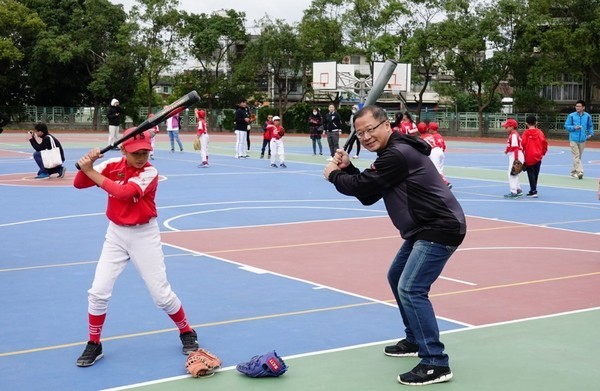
(580, 127)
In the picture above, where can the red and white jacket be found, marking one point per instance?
(131, 191)
(200, 117)
(513, 144)
(275, 131)
(439, 141)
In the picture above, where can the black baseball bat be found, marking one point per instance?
(179, 105)
(375, 93)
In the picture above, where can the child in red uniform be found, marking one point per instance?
(535, 147)
(514, 151)
(132, 235)
(437, 154)
(202, 135)
(266, 137)
(276, 132)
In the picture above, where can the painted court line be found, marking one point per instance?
(359, 346)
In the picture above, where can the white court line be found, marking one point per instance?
(359, 346)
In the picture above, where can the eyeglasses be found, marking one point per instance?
(361, 133)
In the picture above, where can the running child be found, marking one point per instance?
(535, 147)
(437, 153)
(153, 132)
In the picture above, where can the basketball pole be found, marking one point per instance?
(376, 90)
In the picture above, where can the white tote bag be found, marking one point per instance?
(51, 157)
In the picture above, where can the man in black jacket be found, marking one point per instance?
(430, 220)
(114, 115)
(333, 128)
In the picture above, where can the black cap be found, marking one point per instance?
(531, 120)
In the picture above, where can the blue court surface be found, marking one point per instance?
(51, 236)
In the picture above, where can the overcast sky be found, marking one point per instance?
(289, 10)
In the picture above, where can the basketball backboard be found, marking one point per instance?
(324, 75)
(400, 79)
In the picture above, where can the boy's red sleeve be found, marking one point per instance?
(82, 181)
(121, 192)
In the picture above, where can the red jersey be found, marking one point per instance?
(513, 144)
(131, 191)
(535, 145)
(275, 131)
(439, 141)
(201, 126)
(429, 139)
(410, 128)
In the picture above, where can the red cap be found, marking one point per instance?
(137, 142)
(511, 122)
(433, 126)
(421, 127)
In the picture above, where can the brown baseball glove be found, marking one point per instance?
(517, 167)
(202, 363)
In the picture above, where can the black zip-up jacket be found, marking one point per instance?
(417, 200)
(241, 113)
(333, 121)
(113, 118)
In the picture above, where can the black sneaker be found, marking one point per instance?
(422, 375)
(274, 165)
(189, 341)
(402, 349)
(91, 354)
(282, 165)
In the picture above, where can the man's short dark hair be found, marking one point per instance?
(580, 102)
(377, 112)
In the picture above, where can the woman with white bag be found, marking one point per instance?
(49, 154)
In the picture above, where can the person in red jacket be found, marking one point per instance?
(132, 235)
(535, 147)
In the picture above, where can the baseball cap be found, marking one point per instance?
(276, 118)
(422, 127)
(137, 142)
(434, 126)
(511, 122)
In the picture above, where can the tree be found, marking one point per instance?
(277, 55)
(562, 37)
(481, 56)
(157, 39)
(212, 41)
(20, 28)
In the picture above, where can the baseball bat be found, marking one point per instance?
(375, 93)
(179, 105)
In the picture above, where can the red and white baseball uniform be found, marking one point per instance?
(276, 132)
(132, 235)
(202, 134)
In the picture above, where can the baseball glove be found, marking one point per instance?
(517, 167)
(202, 363)
(196, 144)
(264, 365)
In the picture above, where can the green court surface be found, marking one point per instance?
(553, 353)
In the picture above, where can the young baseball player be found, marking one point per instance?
(202, 135)
(514, 151)
(437, 154)
(277, 132)
(132, 235)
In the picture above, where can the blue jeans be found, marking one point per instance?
(416, 266)
(174, 136)
(37, 156)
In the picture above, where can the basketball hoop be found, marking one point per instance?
(318, 85)
(395, 88)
